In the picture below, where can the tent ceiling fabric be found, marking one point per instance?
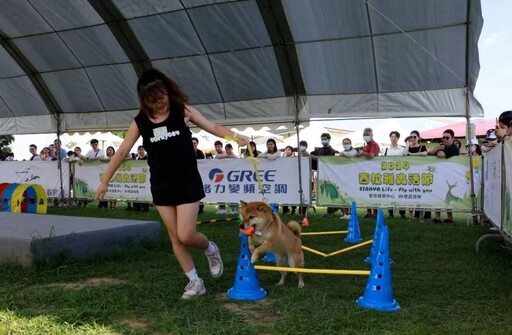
(73, 64)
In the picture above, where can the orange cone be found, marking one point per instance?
(305, 222)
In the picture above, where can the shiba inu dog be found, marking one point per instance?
(269, 233)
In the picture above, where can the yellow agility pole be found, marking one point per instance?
(317, 271)
(325, 232)
(362, 244)
(314, 251)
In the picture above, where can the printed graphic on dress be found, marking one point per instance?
(162, 134)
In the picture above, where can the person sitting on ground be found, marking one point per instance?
(445, 150)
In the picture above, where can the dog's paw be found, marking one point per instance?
(301, 284)
(281, 282)
(254, 258)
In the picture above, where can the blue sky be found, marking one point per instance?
(494, 85)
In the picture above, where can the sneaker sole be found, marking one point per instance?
(188, 297)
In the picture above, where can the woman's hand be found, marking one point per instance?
(100, 192)
(242, 140)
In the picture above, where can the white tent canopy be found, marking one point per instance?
(72, 65)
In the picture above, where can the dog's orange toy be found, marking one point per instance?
(248, 231)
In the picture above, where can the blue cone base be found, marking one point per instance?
(354, 239)
(269, 257)
(380, 306)
(240, 294)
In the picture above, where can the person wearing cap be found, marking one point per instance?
(491, 140)
(474, 148)
(325, 150)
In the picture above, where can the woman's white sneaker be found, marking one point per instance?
(215, 262)
(194, 288)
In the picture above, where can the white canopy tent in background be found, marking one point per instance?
(72, 65)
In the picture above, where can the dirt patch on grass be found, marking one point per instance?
(258, 312)
(91, 282)
(140, 324)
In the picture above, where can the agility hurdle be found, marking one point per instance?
(362, 244)
(317, 271)
(325, 233)
(217, 220)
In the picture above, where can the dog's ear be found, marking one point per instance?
(243, 203)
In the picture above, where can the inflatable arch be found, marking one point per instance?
(23, 198)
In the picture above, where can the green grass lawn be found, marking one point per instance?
(443, 287)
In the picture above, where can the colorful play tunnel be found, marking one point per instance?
(23, 198)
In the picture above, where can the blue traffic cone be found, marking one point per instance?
(247, 285)
(274, 208)
(378, 293)
(376, 236)
(354, 234)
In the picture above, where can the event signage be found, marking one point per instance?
(232, 180)
(492, 173)
(507, 201)
(403, 182)
(45, 173)
(130, 181)
(224, 180)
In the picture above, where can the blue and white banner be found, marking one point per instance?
(224, 180)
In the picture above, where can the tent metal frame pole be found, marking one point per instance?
(467, 112)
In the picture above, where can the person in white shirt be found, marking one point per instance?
(394, 150)
(95, 153)
(348, 150)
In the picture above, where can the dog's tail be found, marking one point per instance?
(295, 228)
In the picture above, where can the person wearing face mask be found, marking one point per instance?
(370, 150)
(348, 150)
(325, 150)
(303, 149)
(503, 131)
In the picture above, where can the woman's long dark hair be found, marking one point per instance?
(152, 84)
(275, 145)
